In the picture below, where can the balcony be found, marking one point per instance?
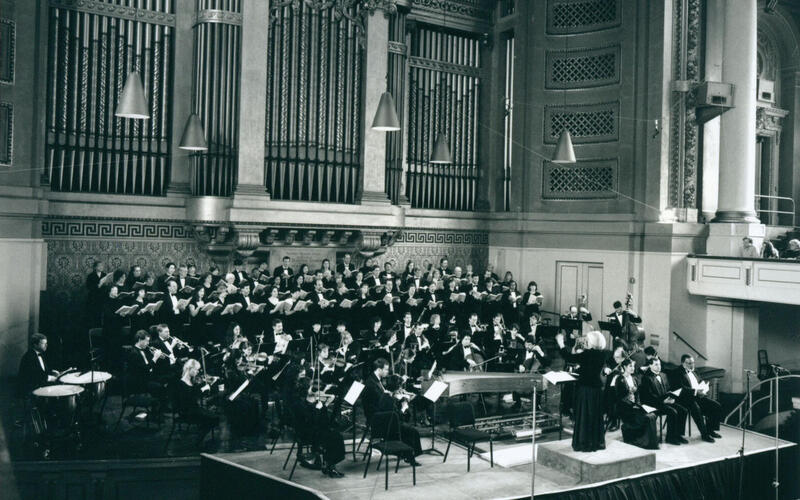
(744, 279)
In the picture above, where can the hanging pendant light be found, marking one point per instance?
(132, 103)
(194, 137)
(564, 151)
(386, 115)
(441, 151)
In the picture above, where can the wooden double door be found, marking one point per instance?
(574, 279)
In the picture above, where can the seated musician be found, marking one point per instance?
(142, 375)
(188, 392)
(705, 412)
(376, 331)
(310, 419)
(476, 331)
(377, 397)
(638, 426)
(421, 346)
(534, 357)
(654, 392)
(173, 347)
(465, 355)
(33, 368)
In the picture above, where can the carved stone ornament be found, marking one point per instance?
(373, 243)
(247, 241)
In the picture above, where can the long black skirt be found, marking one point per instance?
(589, 434)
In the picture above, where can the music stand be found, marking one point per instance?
(571, 325)
(432, 394)
(298, 345)
(612, 328)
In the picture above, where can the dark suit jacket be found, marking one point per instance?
(372, 395)
(31, 376)
(652, 392)
(140, 373)
(279, 271)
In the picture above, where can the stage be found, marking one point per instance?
(437, 480)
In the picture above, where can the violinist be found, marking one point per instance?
(420, 344)
(478, 332)
(377, 397)
(188, 392)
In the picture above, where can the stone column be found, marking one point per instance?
(252, 100)
(373, 188)
(736, 216)
(732, 340)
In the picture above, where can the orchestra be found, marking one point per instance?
(301, 339)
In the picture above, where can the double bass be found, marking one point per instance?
(631, 332)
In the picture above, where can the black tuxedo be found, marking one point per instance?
(94, 298)
(373, 391)
(279, 271)
(653, 391)
(31, 375)
(239, 277)
(142, 371)
(699, 406)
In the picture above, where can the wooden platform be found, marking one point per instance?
(617, 460)
(451, 480)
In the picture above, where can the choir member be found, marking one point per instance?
(705, 412)
(655, 392)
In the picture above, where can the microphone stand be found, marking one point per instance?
(744, 432)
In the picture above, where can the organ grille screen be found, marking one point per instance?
(581, 15)
(584, 69)
(582, 182)
(594, 125)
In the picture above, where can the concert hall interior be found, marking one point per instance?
(504, 248)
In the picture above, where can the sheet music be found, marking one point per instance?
(648, 409)
(435, 391)
(354, 392)
(554, 377)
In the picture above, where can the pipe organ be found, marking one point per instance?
(217, 52)
(93, 46)
(314, 94)
(443, 81)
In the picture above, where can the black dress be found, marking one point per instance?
(589, 433)
(186, 402)
(638, 426)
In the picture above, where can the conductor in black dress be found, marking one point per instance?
(589, 434)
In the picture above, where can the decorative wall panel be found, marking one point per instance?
(586, 122)
(582, 68)
(6, 133)
(587, 179)
(459, 247)
(8, 40)
(93, 46)
(579, 16)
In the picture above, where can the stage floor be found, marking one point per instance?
(451, 480)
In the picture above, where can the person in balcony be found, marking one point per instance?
(768, 251)
(748, 249)
(792, 250)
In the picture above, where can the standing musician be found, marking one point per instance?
(623, 318)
